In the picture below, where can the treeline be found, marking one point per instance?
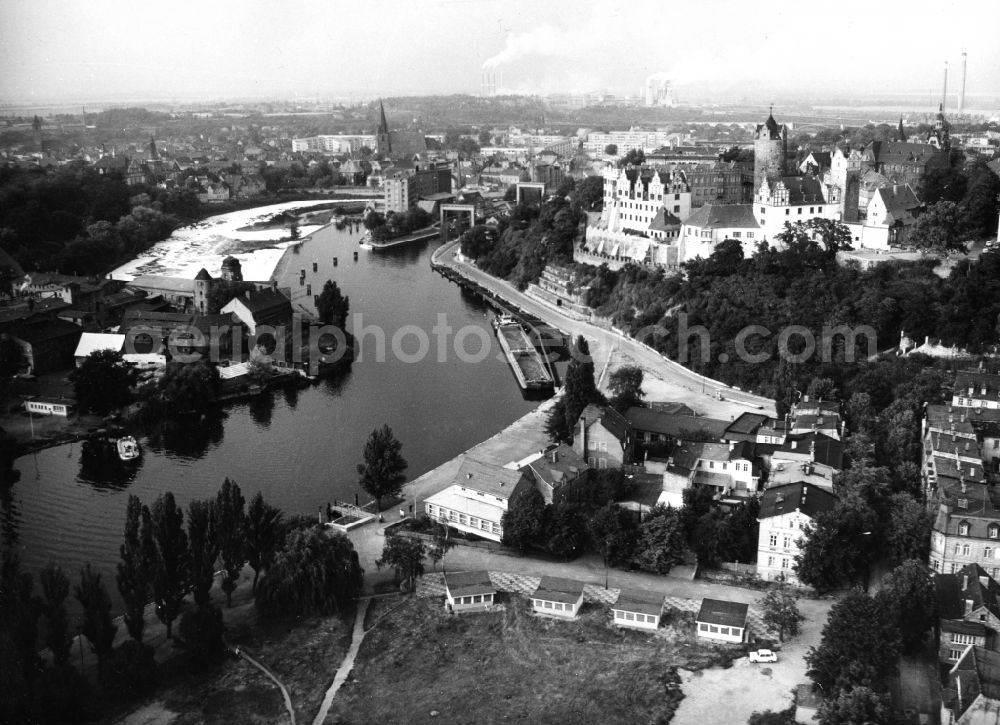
(802, 286)
(167, 556)
(390, 225)
(75, 220)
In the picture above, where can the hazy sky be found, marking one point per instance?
(80, 50)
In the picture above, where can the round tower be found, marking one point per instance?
(770, 148)
(202, 287)
(232, 271)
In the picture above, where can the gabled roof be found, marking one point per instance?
(487, 477)
(673, 424)
(260, 302)
(566, 466)
(635, 600)
(970, 583)
(723, 216)
(94, 341)
(664, 221)
(900, 203)
(557, 589)
(977, 380)
(803, 497)
(162, 282)
(975, 675)
(464, 583)
(803, 190)
(825, 450)
(747, 424)
(723, 613)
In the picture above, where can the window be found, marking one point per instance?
(784, 563)
(702, 627)
(963, 527)
(736, 235)
(800, 210)
(954, 654)
(548, 605)
(629, 617)
(749, 235)
(787, 212)
(770, 561)
(966, 549)
(810, 210)
(988, 553)
(786, 542)
(993, 531)
(712, 628)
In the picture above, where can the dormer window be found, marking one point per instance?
(963, 528)
(963, 503)
(993, 531)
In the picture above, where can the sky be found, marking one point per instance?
(115, 50)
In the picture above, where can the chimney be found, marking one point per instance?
(732, 445)
(961, 88)
(247, 294)
(944, 88)
(468, 475)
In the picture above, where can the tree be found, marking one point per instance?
(907, 594)
(613, 530)
(405, 556)
(938, 228)
(980, 204)
(11, 362)
(262, 533)
(589, 193)
(781, 611)
(661, 541)
(382, 470)
(859, 706)
(611, 150)
(625, 385)
(97, 625)
(19, 612)
(580, 390)
(229, 510)
(135, 570)
(565, 528)
(170, 572)
(908, 530)
(859, 646)
(203, 548)
(103, 381)
(441, 545)
(523, 521)
(332, 306)
(202, 630)
(55, 589)
(313, 573)
(633, 157)
(189, 387)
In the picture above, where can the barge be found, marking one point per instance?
(524, 359)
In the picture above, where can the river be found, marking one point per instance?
(299, 447)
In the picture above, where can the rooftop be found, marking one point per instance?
(557, 589)
(724, 613)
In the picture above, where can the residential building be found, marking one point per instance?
(719, 182)
(785, 511)
(976, 389)
(722, 620)
(968, 605)
(890, 216)
(746, 427)
(637, 609)
(558, 597)
(49, 406)
(603, 438)
(810, 457)
(552, 469)
(468, 591)
(403, 187)
(972, 693)
(477, 499)
(729, 469)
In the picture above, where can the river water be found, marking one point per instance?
(299, 447)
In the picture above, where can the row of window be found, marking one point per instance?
(789, 211)
(632, 617)
(557, 606)
(501, 499)
(957, 638)
(786, 563)
(955, 566)
(738, 466)
(717, 629)
(475, 599)
(992, 531)
(440, 513)
(786, 542)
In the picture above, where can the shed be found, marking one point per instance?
(469, 590)
(558, 597)
(637, 609)
(722, 620)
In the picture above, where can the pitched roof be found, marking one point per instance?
(464, 583)
(38, 331)
(203, 275)
(964, 690)
(664, 221)
(673, 424)
(970, 583)
(162, 282)
(723, 216)
(803, 190)
(721, 612)
(557, 589)
(487, 477)
(825, 450)
(747, 424)
(94, 341)
(900, 202)
(567, 465)
(635, 600)
(261, 302)
(979, 381)
(806, 498)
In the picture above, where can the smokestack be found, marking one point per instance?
(944, 89)
(961, 89)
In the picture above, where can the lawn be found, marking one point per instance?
(421, 665)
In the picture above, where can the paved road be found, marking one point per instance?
(602, 342)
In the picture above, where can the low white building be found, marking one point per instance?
(558, 597)
(637, 609)
(784, 513)
(49, 406)
(467, 591)
(722, 620)
(478, 498)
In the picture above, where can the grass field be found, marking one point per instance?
(421, 665)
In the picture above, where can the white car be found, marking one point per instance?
(763, 655)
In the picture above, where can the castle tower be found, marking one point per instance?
(383, 142)
(232, 271)
(202, 287)
(770, 149)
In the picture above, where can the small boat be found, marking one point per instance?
(128, 448)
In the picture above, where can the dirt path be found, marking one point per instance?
(347, 665)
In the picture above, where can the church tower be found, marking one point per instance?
(901, 132)
(770, 149)
(232, 270)
(383, 142)
(941, 135)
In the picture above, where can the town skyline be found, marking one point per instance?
(54, 53)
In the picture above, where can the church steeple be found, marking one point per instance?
(901, 133)
(383, 141)
(153, 154)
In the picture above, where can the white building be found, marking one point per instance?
(890, 215)
(637, 609)
(558, 597)
(721, 620)
(469, 591)
(478, 498)
(784, 512)
(714, 223)
(793, 199)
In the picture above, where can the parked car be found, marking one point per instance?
(763, 655)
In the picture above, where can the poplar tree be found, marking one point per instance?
(261, 535)
(135, 570)
(229, 511)
(170, 572)
(203, 547)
